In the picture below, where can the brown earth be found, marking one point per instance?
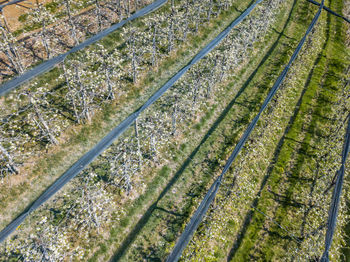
(12, 12)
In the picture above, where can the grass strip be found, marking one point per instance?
(315, 102)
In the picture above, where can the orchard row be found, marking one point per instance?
(90, 205)
(35, 116)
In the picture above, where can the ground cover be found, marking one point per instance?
(288, 236)
(36, 175)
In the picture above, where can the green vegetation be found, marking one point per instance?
(267, 228)
(271, 206)
(77, 140)
(193, 179)
(321, 91)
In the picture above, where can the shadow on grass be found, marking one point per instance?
(250, 214)
(286, 200)
(145, 218)
(310, 205)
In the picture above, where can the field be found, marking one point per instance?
(133, 198)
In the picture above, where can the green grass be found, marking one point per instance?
(191, 181)
(322, 88)
(53, 8)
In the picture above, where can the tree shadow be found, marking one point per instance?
(170, 212)
(286, 200)
(35, 53)
(270, 168)
(146, 216)
(283, 199)
(8, 66)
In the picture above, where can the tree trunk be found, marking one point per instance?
(210, 10)
(53, 140)
(187, 20)
(174, 117)
(198, 18)
(99, 17)
(12, 52)
(85, 111)
(171, 33)
(154, 46)
(109, 83)
(43, 38)
(138, 144)
(196, 90)
(42, 121)
(128, 8)
(171, 27)
(133, 59)
(72, 96)
(10, 163)
(71, 22)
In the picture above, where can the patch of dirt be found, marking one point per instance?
(58, 35)
(13, 12)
